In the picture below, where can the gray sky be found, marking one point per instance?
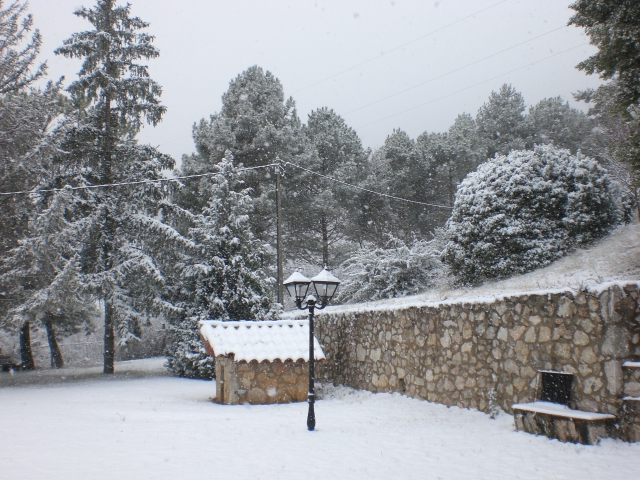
(205, 43)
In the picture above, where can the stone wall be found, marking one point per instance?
(261, 383)
(481, 354)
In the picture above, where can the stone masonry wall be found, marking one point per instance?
(261, 383)
(485, 353)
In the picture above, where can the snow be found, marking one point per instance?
(613, 261)
(550, 408)
(261, 340)
(165, 427)
(296, 277)
(630, 364)
(325, 276)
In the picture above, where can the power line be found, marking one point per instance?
(454, 71)
(139, 182)
(397, 48)
(276, 165)
(472, 86)
(366, 189)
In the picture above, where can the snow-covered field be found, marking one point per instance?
(83, 427)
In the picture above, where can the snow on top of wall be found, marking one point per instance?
(260, 340)
(613, 261)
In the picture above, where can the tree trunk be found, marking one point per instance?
(56, 355)
(25, 347)
(109, 339)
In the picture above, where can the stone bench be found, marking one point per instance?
(562, 423)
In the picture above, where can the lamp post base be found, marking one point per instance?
(311, 416)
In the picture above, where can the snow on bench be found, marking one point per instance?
(630, 364)
(549, 408)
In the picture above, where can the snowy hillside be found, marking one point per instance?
(615, 258)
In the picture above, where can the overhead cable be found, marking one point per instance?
(472, 86)
(398, 47)
(185, 177)
(139, 182)
(454, 71)
(366, 189)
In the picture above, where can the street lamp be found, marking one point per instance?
(325, 286)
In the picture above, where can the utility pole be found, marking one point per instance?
(279, 237)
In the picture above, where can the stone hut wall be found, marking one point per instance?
(484, 353)
(261, 383)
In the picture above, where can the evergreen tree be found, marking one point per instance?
(17, 59)
(221, 276)
(25, 119)
(374, 216)
(501, 122)
(520, 212)
(614, 28)
(552, 120)
(259, 127)
(43, 271)
(320, 234)
(408, 180)
(118, 228)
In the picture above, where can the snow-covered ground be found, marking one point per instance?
(614, 259)
(158, 427)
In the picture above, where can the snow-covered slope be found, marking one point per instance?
(615, 258)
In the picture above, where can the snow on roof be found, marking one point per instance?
(260, 340)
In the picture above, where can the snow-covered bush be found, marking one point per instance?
(520, 212)
(395, 271)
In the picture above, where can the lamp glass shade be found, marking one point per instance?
(325, 285)
(297, 285)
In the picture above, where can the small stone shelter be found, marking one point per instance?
(260, 362)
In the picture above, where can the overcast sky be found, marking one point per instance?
(307, 44)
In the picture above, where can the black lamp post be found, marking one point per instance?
(325, 286)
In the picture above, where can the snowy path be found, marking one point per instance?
(164, 427)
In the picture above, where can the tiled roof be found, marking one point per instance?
(260, 340)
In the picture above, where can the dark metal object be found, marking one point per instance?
(325, 286)
(556, 387)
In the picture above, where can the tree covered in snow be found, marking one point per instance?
(394, 271)
(118, 229)
(552, 120)
(43, 275)
(17, 58)
(221, 275)
(613, 26)
(522, 211)
(501, 121)
(259, 127)
(319, 211)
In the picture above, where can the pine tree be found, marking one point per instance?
(552, 120)
(320, 234)
(17, 59)
(222, 276)
(409, 172)
(259, 127)
(43, 272)
(118, 228)
(501, 122)
(614, 28)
